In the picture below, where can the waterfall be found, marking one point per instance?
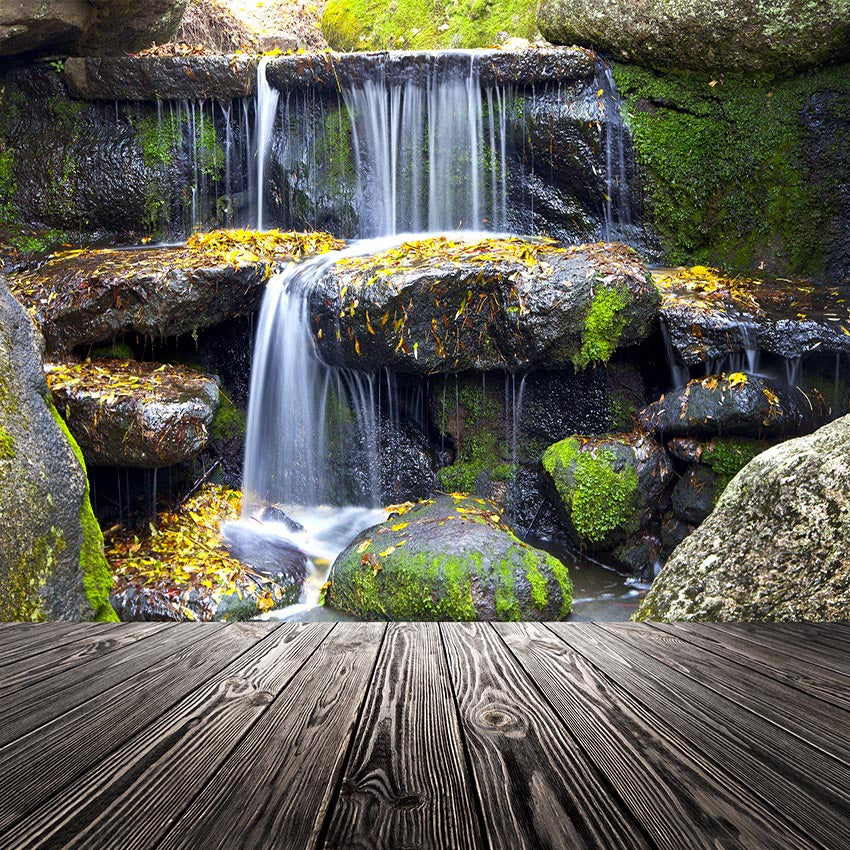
(617, 218)
(267, 98)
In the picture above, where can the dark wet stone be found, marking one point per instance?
(694, 494)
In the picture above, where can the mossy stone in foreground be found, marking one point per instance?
(448, 559)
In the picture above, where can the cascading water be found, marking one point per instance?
(267, 100)
(617, 202)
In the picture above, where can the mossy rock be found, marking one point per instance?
(448, 559)
(604, 487)
(52, 565)
(406, 24)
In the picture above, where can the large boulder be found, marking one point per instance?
(436, 305)
(448, 559)
(605, 488)
(705, 35)
(126, 413)
(775, 547)
(736, 404)
(91, 296)
(87, 27)
(52, 565)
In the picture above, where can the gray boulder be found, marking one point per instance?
(449, 559)
(705, 35)
(52, 565)
(125, 413)
(775, 547)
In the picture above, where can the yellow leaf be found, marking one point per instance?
(399, 526)
(364, 546)
(387, 551)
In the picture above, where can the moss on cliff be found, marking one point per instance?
(727, 166)
(411, 25)
(603, 326)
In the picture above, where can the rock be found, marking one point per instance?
(694, 494)
(528, 509)
(126, 413)
(502, 303)
(686, 449)
(266, 552)
(775, 547)
(705, 35)
(708, 315)
(87, 27)
(52, 565)
(673, 532)
(606, 487)
(449, 559)
(144, 78)
(735, 404)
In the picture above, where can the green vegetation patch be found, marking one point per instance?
(7, 445)
(726, 165)
(727, 456)
(603, 326)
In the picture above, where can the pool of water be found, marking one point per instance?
(599, 592)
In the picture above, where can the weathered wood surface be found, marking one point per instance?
(414, 735)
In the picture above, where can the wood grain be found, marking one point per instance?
(22, 640)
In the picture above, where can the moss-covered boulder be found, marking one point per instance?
(52, 565)
(91, 296)
(775, 547)
(440, 305)
(373, 25)
(605, 488)
(448, 559)
(736, 404)
(126, 413)
(711, 35)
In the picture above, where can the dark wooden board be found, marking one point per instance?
(793, 711)
(405, 782)
(40, 764)
(25, 639)
(831, 689)
(681, 797)
(537, 786)
(799, 785)
(160, 769)
(295, 750)
(88, 650)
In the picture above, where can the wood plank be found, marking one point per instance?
(295, 752)
(405, 783)
(535, 784)
(27, 639)
(160, 769)
(771, 639)
(681, 797)
(88, 650)
(834, 690)
(822, 727)
(43, 762)
(23, 711)
(808, 791)
(814, 634)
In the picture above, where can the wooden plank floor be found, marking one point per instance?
(412, 736)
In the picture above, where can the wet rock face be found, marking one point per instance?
(87, 27)
(735, 404)
(694, 494)
(705, 35)
(775, 547)
(125, 413)
(449, 559)
(436, 306)
(51, 552)
(605, 488)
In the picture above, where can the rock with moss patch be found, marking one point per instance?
(127, 413)
(775, 547)
(52, 565)
(448, 559)
(705, 35)
(606, 487)
(440, 305)
(736, 404)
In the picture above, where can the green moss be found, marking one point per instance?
(598, 497)
(116, 351)
(562, 576)
(7, 445)
(727, 456)
(603, 326)
(726, 166)
(459, 477)
(376, 25)
(539, 585)
(210, 154)
(333, 148)
(159, 139)
(20, 588)
(503, 472)
(8, 185)
(229, 422)
(97, 577)
(507, 605)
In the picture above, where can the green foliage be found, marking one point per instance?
(727, 456)
(7, 445)
(412, 25)
(210, 154)
(8, 185)
(602, 327)
(116, 351)
(726, 166)
(539, 585)
(229, 422)
(159, 139)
